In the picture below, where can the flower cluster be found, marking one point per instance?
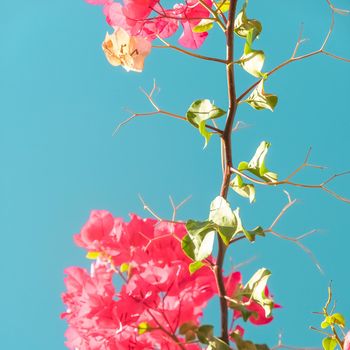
(149, 19)
(156, 295)
(137, 23)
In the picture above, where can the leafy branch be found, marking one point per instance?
(294, 56)
(158, 111)
(287, 180)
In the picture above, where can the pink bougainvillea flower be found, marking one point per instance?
(149, 19)
(233, 285)
(191, 14)
(95, 231)
(158, 288)
(347, 341)
(126, 51)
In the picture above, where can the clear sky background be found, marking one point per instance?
(59, 103)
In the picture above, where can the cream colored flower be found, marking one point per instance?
(127, 51)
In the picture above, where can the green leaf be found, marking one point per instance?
(256, 287)
(336, 318)
(259, 99)
(198, 243)
(243, 189)
(235, 305)
(329, 343)
(199, 112)
(187, 326)
(190, 336)
(205, 333)
(203, 26)
(223, 5)
(243, 25)
(339, 319)
(204, 132)
(93, 255)
(143, 327)
(247, 344)
(253, 62)
(124, 267)
(217, 344)
(222, 215)
(325, 324)
(195, 266)
(250, 235)
(257, 164)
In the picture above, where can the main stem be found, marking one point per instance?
(227, 154)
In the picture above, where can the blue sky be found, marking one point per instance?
(60, 101)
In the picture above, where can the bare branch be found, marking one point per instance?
(186, 52)
(178, 206)
(296, 240)
(287, 180)
(240, 125)
(300, 40)
(158, 111)
(150, 210)
(281, 345)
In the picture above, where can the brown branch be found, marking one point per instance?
(287, 181)
(227, 156)
(296, 240)
(158, 111)
(218, 10)
(295, 58)
(186, 52)
(170, 335)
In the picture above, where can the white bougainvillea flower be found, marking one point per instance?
(127, 51)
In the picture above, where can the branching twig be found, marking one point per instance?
(214, 14)
(296, 240)
(287, 180)
(280, 345)
(158, 111)
(170, 335)
(150, 210)
(295, 58)
(178, 206)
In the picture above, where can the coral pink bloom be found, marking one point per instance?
(91, 309)
(158, 288)
(192, 13)
(347, 341)
(148, 19)
(233, 283)
(95, 231)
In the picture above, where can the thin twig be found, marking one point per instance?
(214, 14)
(280, 345)
(295, 58)
(158, 111)
(150, 210)
(178, 206)
(296, 240)
(186, 52)
(287, 180)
